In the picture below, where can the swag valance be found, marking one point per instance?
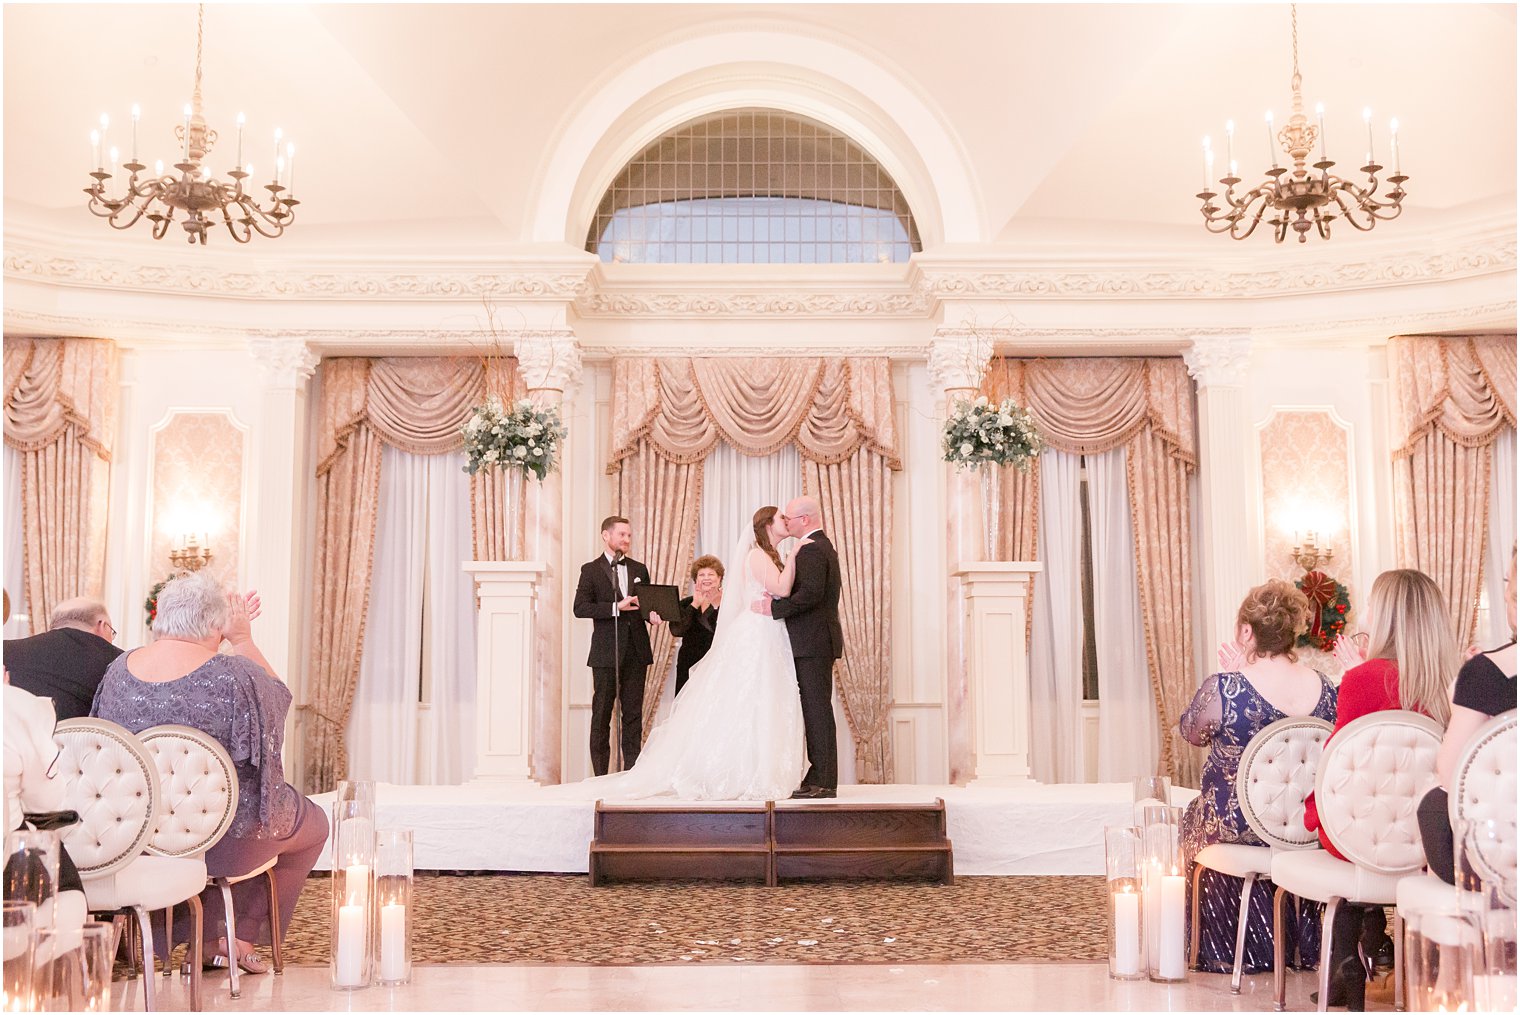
(53, 383)
(829, 407)
(1461, 387)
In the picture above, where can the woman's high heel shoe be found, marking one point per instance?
(248, 963)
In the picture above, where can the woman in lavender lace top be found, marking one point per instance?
(181, 678)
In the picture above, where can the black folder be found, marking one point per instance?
(662, 599)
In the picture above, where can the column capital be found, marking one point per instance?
(1218, 359)
(286, 362)
(958, 357)
(548, 360)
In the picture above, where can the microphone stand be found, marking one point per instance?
(617, 662)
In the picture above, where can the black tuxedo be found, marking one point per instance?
(811, 613)
(696, 629)
(65, 665)
(619, 658)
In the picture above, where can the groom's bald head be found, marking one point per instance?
(803, 516)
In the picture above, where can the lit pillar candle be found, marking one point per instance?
(1208, 163)
(290, 168)
(1271, 140)
(105, 123)
(351, 946)
(136, 115)
(356, 884)
(1171, 964)
(1319, 111)
(1229, 144)
(187, 132)
(240, 121)
(1393, 139)
(278, 134)
(1126, 933)
(94, 150)
(393, 941)
(1367, 116)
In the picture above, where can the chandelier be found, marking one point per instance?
(195, 191)
(1298, 198)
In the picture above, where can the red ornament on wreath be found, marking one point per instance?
(1331, 601)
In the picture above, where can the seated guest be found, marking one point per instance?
(181, 679)
(1485, 687)
(65, 662)
(699, 616)
(1410, 659)
(1261, 681)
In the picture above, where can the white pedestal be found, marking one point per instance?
(506, 667)
(996, 602)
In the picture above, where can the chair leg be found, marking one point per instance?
(1279, 959)
(276, 959)
(229, 919)
(1326, 933)
(1240, 931)
(168, 937)
(1398, 960)
(1193, 941)
(145, 933)
(129, 932)
(193, 952)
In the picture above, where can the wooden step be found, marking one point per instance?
(872, 864)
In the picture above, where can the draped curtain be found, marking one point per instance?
(667, 417)
(1456, 398)
(19, 625)
(417, 405)
(60, 416)
(1055, 637)
(1501, 537)
(1144, 405)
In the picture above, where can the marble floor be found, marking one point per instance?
(962, 987)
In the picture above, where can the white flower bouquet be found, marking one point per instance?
(983, 433)
(524, 437)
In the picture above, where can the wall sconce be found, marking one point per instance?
(192, 553)
(1307, 552)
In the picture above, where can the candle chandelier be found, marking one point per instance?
(194, 191)
(1303, 198)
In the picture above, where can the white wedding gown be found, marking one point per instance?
(735, 732)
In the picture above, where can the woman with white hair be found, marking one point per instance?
(182, 678)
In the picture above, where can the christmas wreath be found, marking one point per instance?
(1331, 602)
(151, 603)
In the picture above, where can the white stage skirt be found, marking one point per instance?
(1023, 829)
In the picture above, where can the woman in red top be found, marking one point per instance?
(1410, 663)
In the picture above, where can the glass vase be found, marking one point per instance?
(1164, 886)
(353, 885)
(394, 899)
(20, 949)
(1150, 789)
(31, 870)
(97, 957)
(1439, 951)
(1122, 859)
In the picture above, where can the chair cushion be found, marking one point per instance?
(152, 882)
(1371, 778)
(1234, 859)
(1277, 771)
(1425, 893)
(1315, 874)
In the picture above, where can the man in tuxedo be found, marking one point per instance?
(811, 613)
(620, 653)
(65, 663)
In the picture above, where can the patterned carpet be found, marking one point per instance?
(499, 918)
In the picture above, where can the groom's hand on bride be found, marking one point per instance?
(762, 606)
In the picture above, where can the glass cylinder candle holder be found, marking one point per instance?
(1439, 951)
(353, 885)
(20, 949)
(1126, 931)
(394, 902)
(1148, 790)
(1494, 972)
(31, 870)
(97, 957)
(1164, 886)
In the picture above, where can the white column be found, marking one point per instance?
(550, 362)
(957, 362)
(1225, 456)
(506, 667)
(995, 603)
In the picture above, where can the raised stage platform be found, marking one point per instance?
(1025, 829)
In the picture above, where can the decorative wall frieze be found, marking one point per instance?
(286, 362)
(548, 360)
(798, 302)
(958, 358)
(1218, 359)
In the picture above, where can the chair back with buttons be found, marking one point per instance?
(111, 781)
(1371, 778)
(199, 790)
(1483, 788)
(1276, 776)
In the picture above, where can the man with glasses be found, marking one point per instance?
(66, 662)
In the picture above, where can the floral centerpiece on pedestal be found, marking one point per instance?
(982, 433)
(525, 437)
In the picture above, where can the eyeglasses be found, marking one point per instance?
(113, 629)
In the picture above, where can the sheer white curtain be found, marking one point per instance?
(1055, 646)
(1501, 536)
(1128, 742)
(18, 626)
(419, 635)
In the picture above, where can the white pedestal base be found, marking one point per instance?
(505, 668)
(995, 596)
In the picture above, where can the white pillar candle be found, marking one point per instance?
(393, 941)
(1171, 964)
(1126, 933)
(351, 946)
(1152, 889)
(356, 884)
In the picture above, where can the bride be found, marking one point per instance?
(735, 732)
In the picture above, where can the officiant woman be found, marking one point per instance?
(698, 621)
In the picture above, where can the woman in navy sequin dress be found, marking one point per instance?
(1261, 682)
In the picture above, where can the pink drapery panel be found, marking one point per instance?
(1091, 406)
(60, 414)
(668, 414)
(1455, 396)
(416, 404)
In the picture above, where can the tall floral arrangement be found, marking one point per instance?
(524, 436)
(982, 433)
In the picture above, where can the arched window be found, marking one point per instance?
(753, 187)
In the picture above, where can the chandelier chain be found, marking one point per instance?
(200, 34)
(1294, 9)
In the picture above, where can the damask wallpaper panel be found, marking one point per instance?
(197, 487)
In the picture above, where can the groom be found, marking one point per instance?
(811, 613)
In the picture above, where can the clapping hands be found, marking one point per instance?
(1350, 650)
(1231, 655)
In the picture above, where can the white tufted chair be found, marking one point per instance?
(201, 796)
(113, 783)
(1276, 774)
(1483, 787)
(1371, 778)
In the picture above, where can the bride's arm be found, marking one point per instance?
(777, 583)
